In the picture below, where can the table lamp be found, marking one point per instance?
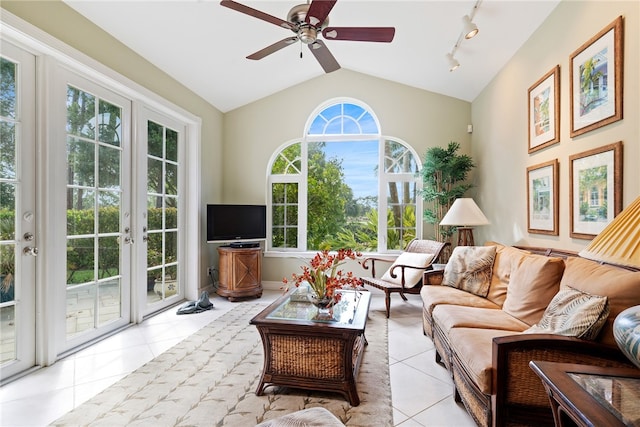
(619, 243)
(464, 213)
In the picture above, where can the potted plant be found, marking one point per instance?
(444, 173)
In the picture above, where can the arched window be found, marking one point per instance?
(327, 189)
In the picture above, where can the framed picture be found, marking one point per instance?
(542, 198)
(544, 111)
(595, 72)
(595, 189)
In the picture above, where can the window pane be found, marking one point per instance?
(154, 213)
(81, 113)
(110, 131)
(172, 145)
(80, 162)
(80, 308)
(109, 212)
(109, 167)
(401, 201)
(8, 333)
(288, 161)
(154, 176)
(7, 271)
(154, 139)
(7, 211)
(7, 150)
(171, 178)
(398, 158)
(154, 250)
(171, 216)
(8, 85)
(109, 298)
(109, 257)
(80, 261)
(80, 215)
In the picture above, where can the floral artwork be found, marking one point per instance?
(544, 111)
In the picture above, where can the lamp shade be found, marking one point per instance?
(619, 242)
(464, 212)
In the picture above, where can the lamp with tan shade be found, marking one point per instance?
(619, 243)
(464, 213)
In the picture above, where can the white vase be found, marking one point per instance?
(626, 331)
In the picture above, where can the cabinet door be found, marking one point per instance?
(246, 267)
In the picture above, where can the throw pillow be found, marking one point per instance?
(412, 276)
(573, 313)
(470, 269)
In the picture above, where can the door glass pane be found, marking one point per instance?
(401, 216)
(162, 213)
(9, 185)
(94, 204)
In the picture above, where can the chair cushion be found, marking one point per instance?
(573, 313)
(469, 268)
(412, 276)
(534, 282)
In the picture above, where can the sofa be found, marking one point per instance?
(494, 308)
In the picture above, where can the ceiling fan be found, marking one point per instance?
(308, 21)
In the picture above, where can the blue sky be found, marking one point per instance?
(358, 165)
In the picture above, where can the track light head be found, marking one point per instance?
(469, 29)
(453, 63)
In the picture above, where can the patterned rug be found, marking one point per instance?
(210, 378)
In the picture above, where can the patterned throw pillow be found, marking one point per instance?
(469, 269)
(411, 275)
(573, 313)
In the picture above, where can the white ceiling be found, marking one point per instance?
(203, 45)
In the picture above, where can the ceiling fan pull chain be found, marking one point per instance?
(301, 50)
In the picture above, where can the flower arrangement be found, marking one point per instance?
(323, 275)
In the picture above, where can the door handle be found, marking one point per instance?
(30, 250)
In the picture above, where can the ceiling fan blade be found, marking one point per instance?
(273, 48)
(256, 14)
(324, 57)
(318, 11)
(360, 34)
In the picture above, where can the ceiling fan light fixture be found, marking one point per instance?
(469, 29)
(307, 34)
(453, 62)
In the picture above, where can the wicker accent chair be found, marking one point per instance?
(415, 246)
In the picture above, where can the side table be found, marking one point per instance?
(584, 395)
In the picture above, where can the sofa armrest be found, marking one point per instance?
(433, 277)
(515, 385)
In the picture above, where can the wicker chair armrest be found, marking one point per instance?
(515, 384)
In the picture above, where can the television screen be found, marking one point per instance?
(236, 222)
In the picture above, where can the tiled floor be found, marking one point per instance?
(421, 389)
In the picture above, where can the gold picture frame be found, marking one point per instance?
(542, 198)
(595, 79)
(595, 189)
(544, 111)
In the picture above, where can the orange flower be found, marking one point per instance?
(323, 275)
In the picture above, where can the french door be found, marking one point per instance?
(97, 212)
(17, 210)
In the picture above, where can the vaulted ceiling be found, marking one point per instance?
(204, 45)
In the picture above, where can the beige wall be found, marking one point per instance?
(254, 132)
(500, 122)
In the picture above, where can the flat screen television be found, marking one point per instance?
(229, 223)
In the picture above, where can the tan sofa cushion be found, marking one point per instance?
(457, 316)
(620, 286)
(534, 283)
(474, 348)
(433, 295)
(506, 260)
(469, 269)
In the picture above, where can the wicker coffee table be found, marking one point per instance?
(305, 352)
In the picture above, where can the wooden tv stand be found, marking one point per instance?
(240, 272)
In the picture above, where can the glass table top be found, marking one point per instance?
(353, 305)
(620, 395)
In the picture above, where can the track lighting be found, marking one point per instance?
(469, 29)
(453, 62)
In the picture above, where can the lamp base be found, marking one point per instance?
(465, 236)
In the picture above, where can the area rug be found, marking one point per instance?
(210, 378)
